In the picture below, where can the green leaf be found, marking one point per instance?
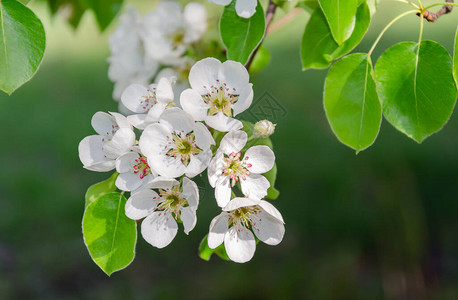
(205, 252)
(109, 235)
(416, 87)
(287, 5)
(319, 48)
(308, 5)
(455, 59)
(25, 2)
(351, 103)
(100, 189)
(22, 45)
(241, 36)
(74, 11)
(341, 16)
(104, 10)
(272, 192)
(373, 4)
(260, 61)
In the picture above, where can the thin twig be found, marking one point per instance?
(432, 16)
(269, 17)
(284, 20)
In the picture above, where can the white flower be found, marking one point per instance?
(244, 8)
(162, 210)
(227, 168)
(264, 129)
(148, 103)
(168, 30)
(177, 145)
(134, 171)
(218, 92)
(115, 137)
(128, 62)
(239, 220)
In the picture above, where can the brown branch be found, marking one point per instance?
(269, 17)
(432, 16)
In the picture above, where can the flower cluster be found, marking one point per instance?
(154, 46)
(177, 144)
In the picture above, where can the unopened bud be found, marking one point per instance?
(264, 128)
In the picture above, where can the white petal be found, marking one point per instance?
(92, 156)
(133, 97)
(240, 245)
(104, 124)
(233, 142)
(168, 166)
(121, 120)
(191, 102)
(271, 210)
(138, 121)
(195, 16)
(218, 228)
(215, 169)
(203, 136)
(153, 139)
(189, 218)
(223, 123)
(234, 74)
(204, 74)
(155, 113)
(244, 101)
(268, 229)
(122, 142)
(125, 162)
(190, 192)
(161, 182)
(240, 202)
(198, 163)
(221, 2)
(245, 8)
(178, 120)
(164, 91)
(255, 186)
(223, 191)
(261, 158)
(141, 204)
(128, 181)
(159, 229)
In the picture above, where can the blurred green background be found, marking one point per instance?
(379, 225)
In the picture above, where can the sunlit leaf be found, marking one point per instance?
(319, 49)
(100, 189)
(455, 59)
(239, 35)
(416, 87)
(351, 103)
(109, 235)
(22, 45)
(205, 252)
(341, 17)
(260, 61)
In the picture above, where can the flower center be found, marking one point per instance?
(177, 38)
(220, 99)
(183, 147)
(149, 100)
(171, 201)
(241, 217)
(235, 168)
(142, 167)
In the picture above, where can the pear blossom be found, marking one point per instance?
(148, 102)
(244, 8)
(128, 61)
(228, 167)
(177, 145)
(219, 91)
(235, 226)
(169, 30)
(264, 129)
(162, 210)
(134, 171)
(115, 137)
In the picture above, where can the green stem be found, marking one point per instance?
(440, 4)
(408, 2)
(387, 27)
(421, 29)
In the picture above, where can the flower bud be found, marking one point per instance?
(264, 129)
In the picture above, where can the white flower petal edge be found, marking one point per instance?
(134, 171)
(218, 92)
(239, 220)
(244, 8)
